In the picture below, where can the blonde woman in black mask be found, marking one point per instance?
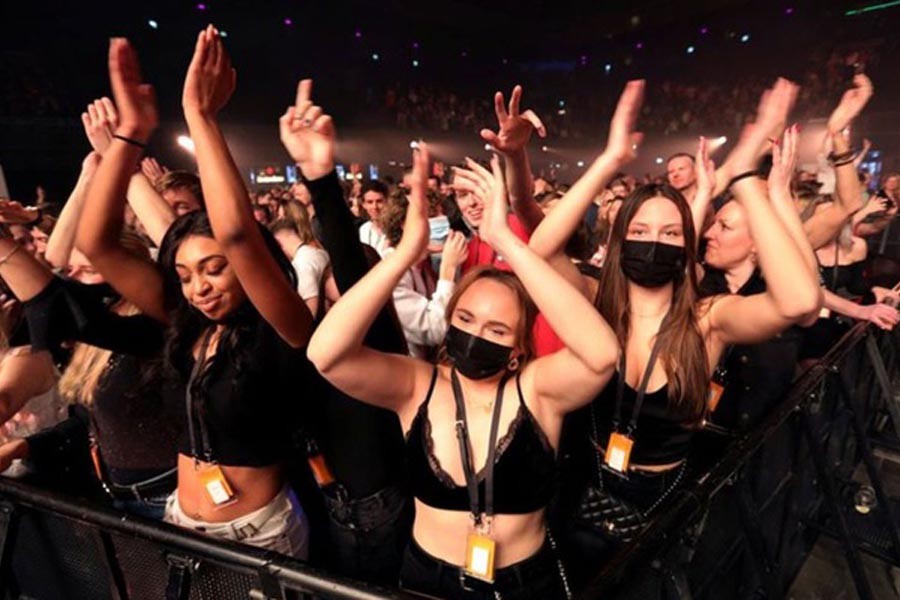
(480, 497)
(631, 443)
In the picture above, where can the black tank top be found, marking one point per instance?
(524, 471)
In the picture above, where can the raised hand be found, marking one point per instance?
(415, 227)
(515, 127)
(100, 120)
(623, 140)
(13, 213)
(135, 99)
(210, 78)
(706, 169)
(784, 158)
(490, 185)
(851, 104)
(774, 107)
(308, 134)
(152, 169)
(454, 253)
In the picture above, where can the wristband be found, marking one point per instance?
(140, 145)
(745, 175)
(843, 157)
(843, 162)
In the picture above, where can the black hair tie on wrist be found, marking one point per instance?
(140, 145)
(744, 175)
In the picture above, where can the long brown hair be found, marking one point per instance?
(682, 348)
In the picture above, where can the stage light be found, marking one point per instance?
(488, 148)
(607, 67)
(789, 11)
(562, 103)
(544, 149)
(745, 38)
(375, 56)
(704, 30)
(223, 34)
(201, 6)
(690, 49)
(153, 24)
(414, 144)
(288, 21)
(580, 163)
(659, 160)
(357, 34)
(415, 63)
(415, 45)
(186, 143)
(639, 46)
(716, 143)
(561, 111)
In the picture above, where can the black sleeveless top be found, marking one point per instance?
(663, 433)
(524, 471)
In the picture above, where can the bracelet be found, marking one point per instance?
(140, 145)
(9, 254)
(745, 175)
(843, 162)
(847, 156)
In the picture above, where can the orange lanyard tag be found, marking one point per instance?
(216, 485)
(480, 553)
(618, 452)
(715, 394)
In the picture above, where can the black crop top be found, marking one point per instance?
(525, 467)
(252, 411)
(663, 434)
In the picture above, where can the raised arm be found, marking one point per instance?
(101, 223)
(312, 150)
(511, 140)
(706, 182)
(792, 289)
(24, 275)
(571, 377)
(387, 380)
(209, 84)
(23, 375)
(550, 238)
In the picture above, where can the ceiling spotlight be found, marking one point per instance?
(488, 148)
(153, 24)
(659, 160)
(375, 56)
(414, 144)
(690, 49)
(745, 38)
(580, 163)
(545, 149)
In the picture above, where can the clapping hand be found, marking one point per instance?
(135, 99)
(210, 78)
(100, 120)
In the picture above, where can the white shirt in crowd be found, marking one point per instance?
(310, 264)
(368, 234)
(421, 309)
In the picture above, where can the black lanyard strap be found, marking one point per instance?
(199, 364)
(465, 452)
(641, 392)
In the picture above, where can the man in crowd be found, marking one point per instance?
(682, 175)
(374, 195)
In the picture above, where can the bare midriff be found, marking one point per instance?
(254, 487)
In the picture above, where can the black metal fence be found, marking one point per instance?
(742, 530)
(747, 525)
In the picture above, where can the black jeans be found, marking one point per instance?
(536, 577)
(368, 535)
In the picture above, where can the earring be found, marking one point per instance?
(513, 364)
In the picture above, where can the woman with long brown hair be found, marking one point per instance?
(629, 447)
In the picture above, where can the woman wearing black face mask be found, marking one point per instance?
(628, 448)
(482, 425)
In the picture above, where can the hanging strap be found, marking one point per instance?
(641, 392)
(189, 402)
(465, 453)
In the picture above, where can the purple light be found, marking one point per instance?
(201, 6)
(639, 45)
(288, 21)
(358, 34)
(464, 54)
(789, 11)
(704, 30)
(415, 45)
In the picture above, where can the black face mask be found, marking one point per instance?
(475, 357)
(652, 264)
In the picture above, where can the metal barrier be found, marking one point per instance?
(744, 528)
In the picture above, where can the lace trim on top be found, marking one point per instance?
(443, 476)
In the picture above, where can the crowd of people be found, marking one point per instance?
(471, 382)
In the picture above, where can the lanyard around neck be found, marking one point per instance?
(465, 450)
(641, 392)
(190, 401)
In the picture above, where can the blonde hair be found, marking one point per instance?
(88, 364)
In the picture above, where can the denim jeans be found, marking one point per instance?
(368, 535)
(538, 577)
(149, 508)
